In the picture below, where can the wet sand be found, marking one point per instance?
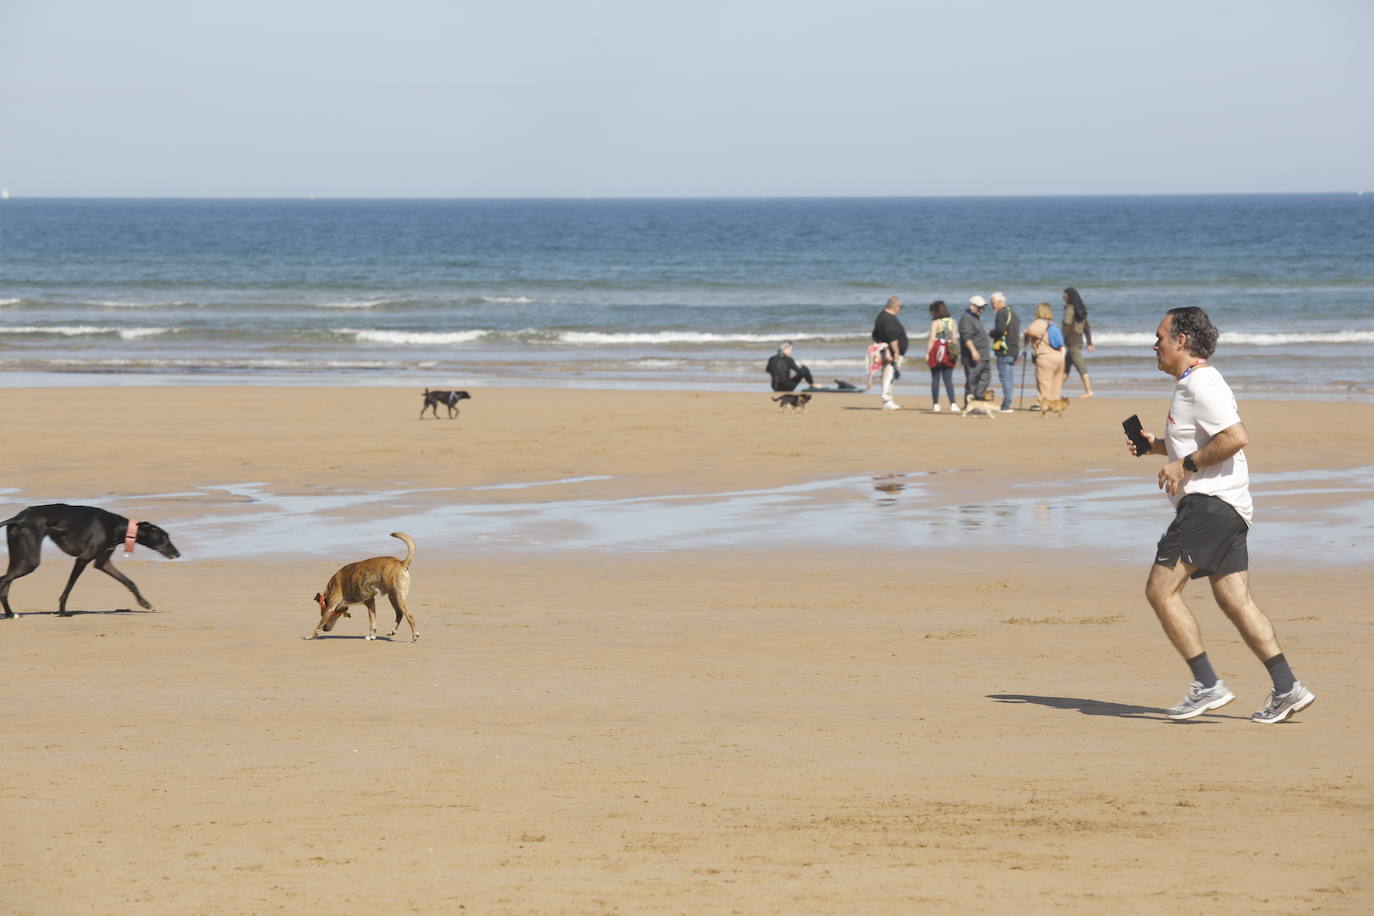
(811, 727)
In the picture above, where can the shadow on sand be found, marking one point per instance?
(117, 610)
(1086, 707)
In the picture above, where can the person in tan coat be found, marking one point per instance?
(1049, 360)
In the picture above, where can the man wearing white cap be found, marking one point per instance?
(977, 351)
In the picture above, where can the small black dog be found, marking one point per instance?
(449, 399)
(795, 401)
(84, 532)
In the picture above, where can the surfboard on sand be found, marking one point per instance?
(840, 387)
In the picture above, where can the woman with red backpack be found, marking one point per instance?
(942, 353)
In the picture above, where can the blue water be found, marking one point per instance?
(662, 293)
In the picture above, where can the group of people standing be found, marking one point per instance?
(1055, 349)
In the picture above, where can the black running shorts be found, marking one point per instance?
(1208, 534)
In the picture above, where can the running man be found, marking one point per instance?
(1208, 481)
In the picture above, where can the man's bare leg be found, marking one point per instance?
(1232, 592)
(1164, 591)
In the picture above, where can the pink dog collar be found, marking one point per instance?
(129, 537)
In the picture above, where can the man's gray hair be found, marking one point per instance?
(1193, 323)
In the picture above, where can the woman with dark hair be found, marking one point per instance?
(1077, 332)
(942, 352)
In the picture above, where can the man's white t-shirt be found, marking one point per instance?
(1203, 406)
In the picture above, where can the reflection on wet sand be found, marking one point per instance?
(1112, 517)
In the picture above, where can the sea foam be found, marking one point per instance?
(1243, 338)
(421, 338)
(85, 330)
(683, 337)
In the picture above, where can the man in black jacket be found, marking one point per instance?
(786, 372)
(888, 330)
(1006, 346)
(977, 355)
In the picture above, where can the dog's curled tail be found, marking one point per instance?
(410, 547)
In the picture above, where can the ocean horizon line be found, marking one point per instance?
(707, 198)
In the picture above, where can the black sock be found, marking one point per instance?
(1202, 670)
(1281, 674)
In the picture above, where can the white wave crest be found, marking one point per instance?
(413, 337)
(852, 365)
(85, 330)
(1311, 337)
(685, 337)
(5, 302)
(1243, 338)
(507, 300)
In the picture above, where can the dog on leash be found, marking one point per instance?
(983, 405)
(449, 399)
(1054, 405)
(362, 582)
(794, 401)
(84, 532)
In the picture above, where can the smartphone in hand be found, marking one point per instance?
(1136, 433)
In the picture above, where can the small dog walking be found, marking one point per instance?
(362, 582)
(84, 532)
(449, 399)
(794, 401)
(983, 406)
(1053, 405)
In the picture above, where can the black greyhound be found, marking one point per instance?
(449, 399)
(84, 532)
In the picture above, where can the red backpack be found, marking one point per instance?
(943, 354)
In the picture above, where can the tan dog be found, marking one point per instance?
(363, 582)
(1054, 405)
(984, 406)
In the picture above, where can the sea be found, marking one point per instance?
(663, 293)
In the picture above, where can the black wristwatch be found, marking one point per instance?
(1189, 464)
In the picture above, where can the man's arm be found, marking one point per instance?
(1218, 450)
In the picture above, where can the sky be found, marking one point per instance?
(659, 98)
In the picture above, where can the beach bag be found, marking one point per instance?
(943, 354)
(1055, 337)
(873, 360)
(939, 354)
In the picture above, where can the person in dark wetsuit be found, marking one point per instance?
(786, 372)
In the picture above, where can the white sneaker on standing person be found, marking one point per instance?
(1208, 481)
(888, 330)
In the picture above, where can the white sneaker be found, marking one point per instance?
(935, 409)
(1283, 705)
(891, 405)
(1201, 699)
(1004, 410)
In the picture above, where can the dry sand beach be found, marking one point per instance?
(670, 719)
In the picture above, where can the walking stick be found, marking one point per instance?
(1022, 405)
